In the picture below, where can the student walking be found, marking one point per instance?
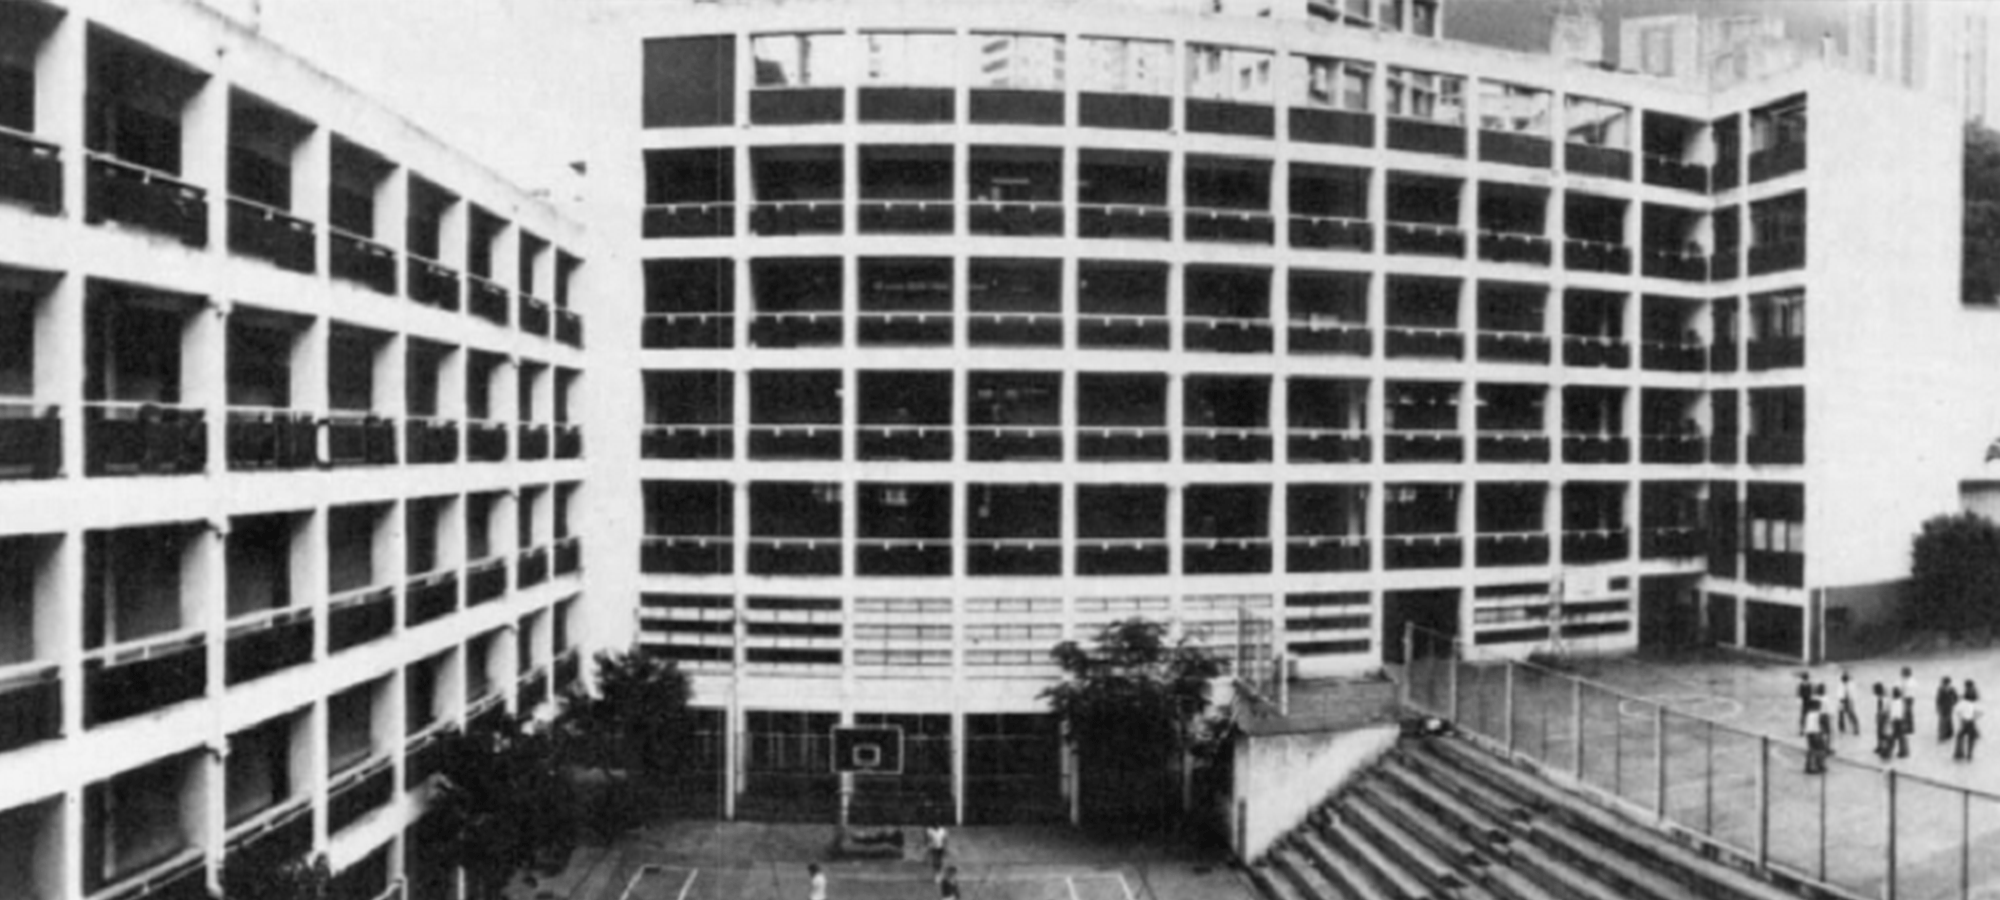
(934, 844)
(1906, 720)
(1947, 702)
(816, 884)
(1805, 692)
(1819, 738)
(1909, 709)
(1846, 698)
(1967, 714)
(948, 884)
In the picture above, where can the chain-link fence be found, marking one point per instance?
(1857, 829)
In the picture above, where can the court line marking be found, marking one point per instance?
(1702, 706)
(636, 876)
(1071, 881)
(1127, 886)
(689, 884)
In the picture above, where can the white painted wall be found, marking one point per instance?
(1281, 778)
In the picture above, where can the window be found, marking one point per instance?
(896, 58)
(802, 60)
(1017, 61)
(1119, 66)
(1427, 95)
(1330, 83)
(1226, 73)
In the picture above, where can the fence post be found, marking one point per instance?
(1576, 726)
(1451, 659)
(1409, 659)
(1763, 801)
(1507, 707)
(1660, 760)
(1965, 843)
(1889, 826)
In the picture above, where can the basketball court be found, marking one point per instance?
(671, 882)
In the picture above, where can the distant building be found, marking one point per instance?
(1944, 49)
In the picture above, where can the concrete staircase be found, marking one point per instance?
(1439, 819)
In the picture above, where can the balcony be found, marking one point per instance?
(1513, 447)
(906, 217)
(485, 582)
(1668, 172)
(423, 757)
(1228, 226)
(688, 220)
(1779, 256)
(795, 556)
(1016, 106)
(534, 316)
(1219, 334)
(1776, 450)
(1332, 233)
(569, 328)
(917, 444)
(360, 617)
(797, 105)
(532, 690)
(1331, 126)
(1145, 223)
(1320, 336)
(533, 568)
(30, 704)
(796, 329)
(1770, 353)
(1596, 449)
(30, 445)
(569, 442)
(272, 235)
(358, 439)
(1138, 112)
(134, 679)
(688, 331)
(272, 440)
(1514, 347)
(903, 557)
(430, 441)
(1725, 265)
(533, 440)
(1410, 239)
(795, 442)
(1423, 551)
(432, 285)
(184, 877)
(687, 442)
(1586, 352)
(1017, 219)
(1672, 356)
(1671, 542)
(1771, 567)
(1327, 553)
(485, 442)
(568, 670)
(907, 104)
(1603, 162)
(1723, 357)
(353, 797)
(1423, 447)
(1014, 443)
(268, 643)
(1582, 547)
(1121, 444)
(796, 217)
(1017, 557)
(429, 598)
(1014, 329)
(1123, 332)
(1516, 149)
(488, 301)
(1597, 256)
(31, 173)
(362, 261)
(1225, 556)
(1420, 136)
(569, 556)
(1682, 449)
(1424, 343)
(906, 329)
(1507, 247)
(661, 555)
(1511, 549)
(1224, 117)
(143, 439)
(1138, 556)
(1226, 445)
(1773, 162)
(1314, 445)
(119, 192)
(1722, 447)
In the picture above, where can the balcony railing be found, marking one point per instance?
(1671, 542)
(1016, 106)
(689, 554)
(1779, 256)
(1017, 219)
(1513, 447)
(1725, 264)
(1316, 335)
(1511, 247)
(488, 301)
(569, 669)
(1423, 551)
(1423, 343)
(1232, 226)
(796, 329)
(1423, 136)
(432, 285)
(906, 217)
(688, 220)
(430, 597)
(1782, 159)
(354, 796)
(1423, 447)
(30, 704)
(283, 830)
(1217, 334)
(1095, 444)
(1121, 556)
(1415, 239)
(1581, 255)
(918, 443)
(569, 556)
(31, 172)
(129, 680)
(268, 642)
(1327, 553)
(795, 555)
(796, 217)
(272, 235)
(569, 441)
(1723, 357)
(903, 557)
(273, 439)
(1596, 449)
(1723, 447)
(183, 876)
(359, 617)
(1770, 353)
(428, 441)
(1776, 450)
(360, 439)
(1332, 126)
(1014, 329)
(533, 441)
(485, 581)
(1020, 557)
(533, 568)
(534, 315)
(1604, 162)
(362, 261)
(1673, 356)
(687, 331)
(1326, 445)
(1332, 233)
(532, 690)
(1225, 556)
(30, 443)
(1014, 442)
(1225, 445)
(143, 439)
(1516, 149)
(797, 105)
(687, 442)
(485, 441)
(1596, 545)
(117, 191)
(906, 329)
(1511, 549)
(1671, 172)
(1514, 347)
(1592, 352)
(569, 328)
(1684, 449)
(1226, 117)
(795, 442)
(1123, 332)
(1125, 220)
(1678, 265)
(1774, 567)
(423, 757)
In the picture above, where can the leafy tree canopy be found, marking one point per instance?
(1980, 275)
(502, 802)
(1955, 574)
(1135, 688)
(637, 721)
(255, 875)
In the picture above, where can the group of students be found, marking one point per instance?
(935, 839)
(1895, 717)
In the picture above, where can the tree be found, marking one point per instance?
(634, 730)
(1980, 273)
(1955, 574)
(502, 803)
(1132, 704)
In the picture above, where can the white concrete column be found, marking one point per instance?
(204, 380)
(312, 188)
(60, 364)
(205, 153)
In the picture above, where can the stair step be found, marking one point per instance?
(1381, 826)
(1396, 881)
(1467, 819)
(1272, 883)
(1351, 878)
(1294, 863)
(1464, 785)
(1456, 851)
